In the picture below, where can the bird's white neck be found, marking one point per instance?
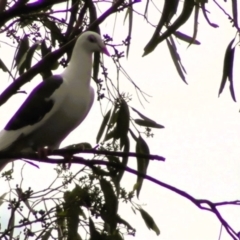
(78, 72)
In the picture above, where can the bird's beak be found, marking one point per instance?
(105, 51)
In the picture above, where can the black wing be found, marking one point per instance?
(37, 104)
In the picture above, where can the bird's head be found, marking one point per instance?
(92, 42)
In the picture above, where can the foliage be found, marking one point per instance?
(44, 33)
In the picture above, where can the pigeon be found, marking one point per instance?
(56, 106)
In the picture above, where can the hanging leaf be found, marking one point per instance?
(21, 54)
(109, 213)
(95, 235)
(142, 163)
(124, 162)
(30, 52)
(186, 38)
(122, 221)
(228, 70)
(56, 33)
(149, 221)
(147, 123)
(2, 198)
(169, 9)
(205, 14)
(44, 51)
(195, 25)
(123, 123)
(176, 60)
(183, 17)
(110, 133)
(3, 66)
(73, 200)
(103, 125)
(141, 115)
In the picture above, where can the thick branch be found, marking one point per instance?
(64, 152)
(18, 10)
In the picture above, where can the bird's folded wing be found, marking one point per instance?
(32, 114)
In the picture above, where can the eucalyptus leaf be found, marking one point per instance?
(149, 221)
(103, 125)
(147, 123)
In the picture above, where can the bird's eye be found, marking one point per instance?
(91, 39)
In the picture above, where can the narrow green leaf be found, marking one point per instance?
(111, 134)
(141, 115)
(142, 163)
(103, 125)
(109, 213)
(133, 135)
(124, 222)
(186, 38)
(230, 74)
(123, 123)
(124, 161)
(149, 221)
(175, 58)
(112, 121)
(195, 28)
(29, 56)
(21, 54)
(169, 8)
(206, 16)
(2, 198)
(147, 123)
(227, 69)
(95, 235)
(183, 17)
(44, 51)
(56, 33)
(3, 66)
(109, 197)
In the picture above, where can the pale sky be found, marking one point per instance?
(201, 140)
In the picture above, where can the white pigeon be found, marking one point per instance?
(56, 106)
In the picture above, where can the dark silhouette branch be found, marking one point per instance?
(20, 9)
(200, 203)
(69, 152)
(51, 58)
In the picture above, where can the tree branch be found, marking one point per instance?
(51, 57)
(64, 152)
(203, 204)
(18, 10)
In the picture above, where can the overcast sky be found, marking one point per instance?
(201, 139)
